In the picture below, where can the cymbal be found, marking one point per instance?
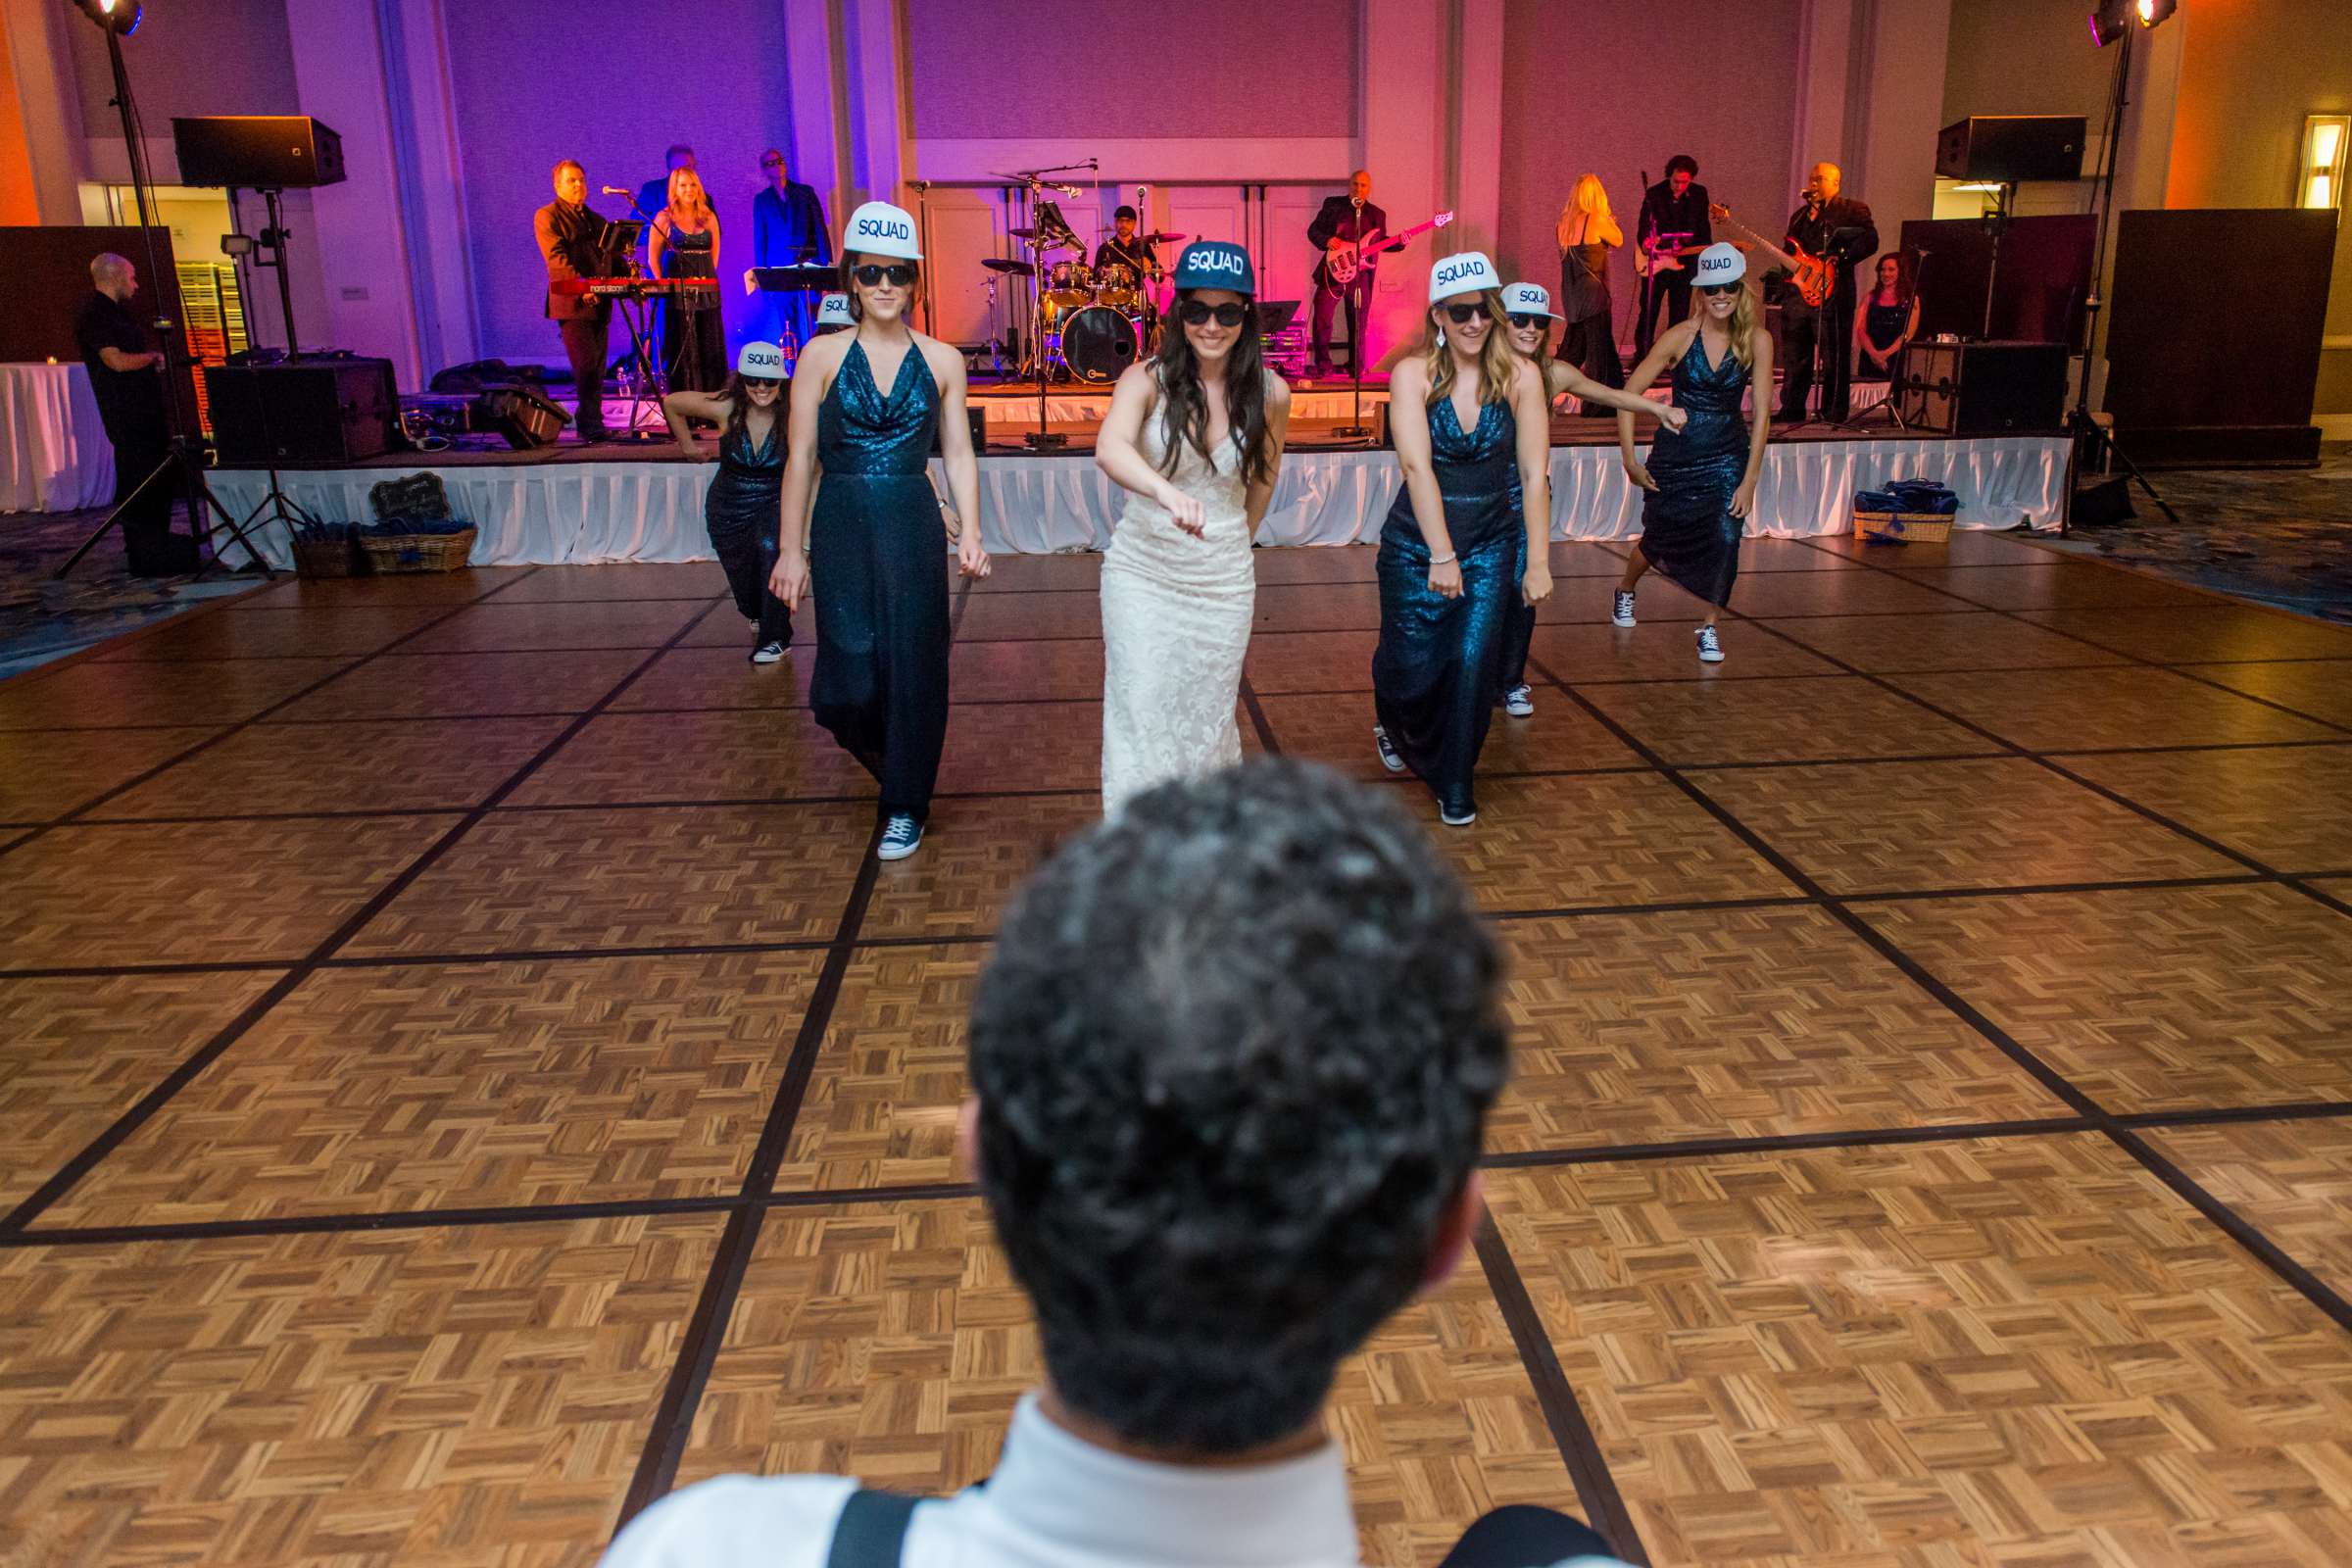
(1163, 238)
(998, 263)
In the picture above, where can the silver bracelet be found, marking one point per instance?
(1446, 560)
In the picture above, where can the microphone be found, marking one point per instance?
(1067, 190)
(616, 190)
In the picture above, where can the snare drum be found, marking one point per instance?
(1115, 286)
(1069, 285)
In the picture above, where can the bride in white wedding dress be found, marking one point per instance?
(1195, 436)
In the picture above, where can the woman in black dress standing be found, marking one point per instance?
(1465, 540)
(1587, 234)
(1890, 317)
(740, 507)
(1701, 481)
(685, 244)
(866, 408)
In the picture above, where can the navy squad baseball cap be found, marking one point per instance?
(1217, 263)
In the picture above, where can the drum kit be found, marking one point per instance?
(1091, 321)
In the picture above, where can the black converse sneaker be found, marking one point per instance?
(1621, 608)
(767, 654)
(1710, 647)
(1388, 753)
(1519, 702)
(902, 836)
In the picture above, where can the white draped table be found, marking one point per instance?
(56, 456)
(579, 513)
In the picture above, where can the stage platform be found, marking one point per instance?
(568, 504)
(465, 1074)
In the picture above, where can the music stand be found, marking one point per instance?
(804, 277)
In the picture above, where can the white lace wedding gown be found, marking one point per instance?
(1175, 627)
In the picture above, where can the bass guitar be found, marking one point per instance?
(1814, 278)
(1342, 259)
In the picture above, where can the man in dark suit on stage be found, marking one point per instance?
(788, 229)
(1349, 216)
(577, 242)
(1840, 230)
(1675, 206)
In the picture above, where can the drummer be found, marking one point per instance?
(1127, 248)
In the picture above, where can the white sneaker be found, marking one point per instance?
(1388, 753)
(1621, 608)
(767, 654)
(1450, 820)
(1710, 648)
(902, 836)
(1519, 702)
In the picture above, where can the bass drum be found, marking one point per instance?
(1098, 343)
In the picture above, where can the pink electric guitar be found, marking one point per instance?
(1342, 259)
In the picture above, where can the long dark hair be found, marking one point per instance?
(737, 394)
(1905, 287)
(1184, 402)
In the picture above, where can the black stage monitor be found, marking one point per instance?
(258, 152)
(2011, 147)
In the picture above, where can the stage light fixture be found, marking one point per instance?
(2151, 12)
(115, 15)
(2111, 19)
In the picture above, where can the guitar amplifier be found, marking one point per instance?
(302, 410)
(520, 413)
(1982, 388)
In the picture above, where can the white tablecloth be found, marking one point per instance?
(56, 456)
(555, 512)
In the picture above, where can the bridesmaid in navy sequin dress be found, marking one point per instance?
(1459, 549)
(1701, 481)
(866, 408)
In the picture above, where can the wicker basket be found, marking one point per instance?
(419, 552)
(1904, 527)
(329, 558)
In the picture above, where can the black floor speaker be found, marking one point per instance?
(1982, 388)
(302, 410)
(520, 413)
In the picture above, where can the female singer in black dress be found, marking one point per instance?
(1587, 234)
(1466, 537)
(1890, 317)
(1702, 482)
(866, 408)
(1530, 313)
(684, 243)
(740, 507)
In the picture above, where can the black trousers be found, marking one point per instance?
(1671, 289)
(1358, 292)
(149, 546)
(587, 342)
(1825, 334)
(1590, 345)
(1524, 1536)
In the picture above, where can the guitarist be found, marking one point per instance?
(1352, 216)
(1841, 230)
(1675, 206)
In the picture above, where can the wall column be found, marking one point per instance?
(1403, 125)
(44, 139)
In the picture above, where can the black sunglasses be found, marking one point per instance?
(900, 274)
(1717, 288)
(1464, 315)
(1523, 323)
(753, 383)
(1195, 312)
(771, 163)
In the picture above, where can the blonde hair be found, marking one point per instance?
(1588, 197)
(1498, 361)
(1747, 319)
(699, 211)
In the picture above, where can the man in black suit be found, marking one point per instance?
(1675, 206)
(1840, 230)
(1349, 216)
(577, 242)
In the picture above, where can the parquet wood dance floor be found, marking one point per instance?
(462, 1073)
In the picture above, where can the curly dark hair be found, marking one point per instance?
(1234, 1055)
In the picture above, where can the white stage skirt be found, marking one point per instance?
(56, 456)
(580, 512)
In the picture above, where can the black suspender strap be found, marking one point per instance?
(871, 1532)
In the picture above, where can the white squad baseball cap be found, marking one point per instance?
(834, 310)
(880, 230)
(1464, 272)
(1720, 264)
(760, 361)
(1528, 299)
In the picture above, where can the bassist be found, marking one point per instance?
(1841, 230)
(1673, 227)
(1352, 216)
